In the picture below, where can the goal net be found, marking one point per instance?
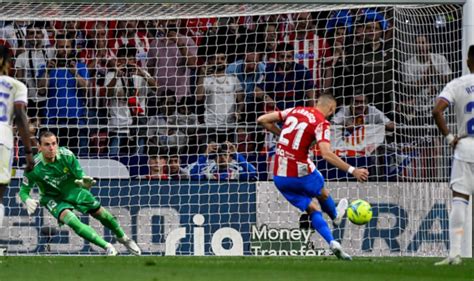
(159, 102)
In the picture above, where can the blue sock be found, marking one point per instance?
(329, 207)
(320, 225)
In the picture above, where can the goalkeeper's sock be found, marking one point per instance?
(321, 226)
(457, 218)
(84, 230)
(329, 207)
(2, 214)
(109, 221)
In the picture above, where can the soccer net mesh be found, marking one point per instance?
(159, 102)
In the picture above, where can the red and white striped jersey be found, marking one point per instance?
(303, 126)
(312, 51)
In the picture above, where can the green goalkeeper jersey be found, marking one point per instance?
(55, 179)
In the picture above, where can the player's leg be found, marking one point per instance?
(325, 200)
(457, 219)
(461, 179)
(86, 203)
(110, 221)
(85, 231)
(296, 191)
(329, 207)
(3, 187)
(321, 226)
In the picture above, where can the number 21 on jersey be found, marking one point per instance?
(292, 124)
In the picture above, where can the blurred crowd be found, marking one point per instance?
(186, 93)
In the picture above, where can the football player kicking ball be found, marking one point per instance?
(295, 175)
(64, 187)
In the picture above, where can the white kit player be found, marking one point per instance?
(459, 93)
(13, 100)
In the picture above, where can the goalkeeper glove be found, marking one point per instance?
(31, 205)
(86, 182)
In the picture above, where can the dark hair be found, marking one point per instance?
(127, 51)
(470, 53)
(5, 53)
(223, 149)
(66, 37)
(285, 47)
(46, 134)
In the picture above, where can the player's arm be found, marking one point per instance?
(21, 121)
(25, 188)
(438, 115)
(331, 157)
(81, 178)
(269, 120)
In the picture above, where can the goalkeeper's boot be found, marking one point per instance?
(341, 211)
(337, 250)
(111, 251)
(450, 261)
(131, 246)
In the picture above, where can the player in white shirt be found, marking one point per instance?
(459, 93)
(13, 100)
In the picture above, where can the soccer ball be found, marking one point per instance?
(359, 212)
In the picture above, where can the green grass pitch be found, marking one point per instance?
(127, 268)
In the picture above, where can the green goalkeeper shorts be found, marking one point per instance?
(77, 199)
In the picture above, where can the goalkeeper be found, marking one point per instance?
(64, 187)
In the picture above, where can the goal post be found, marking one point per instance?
(164, 115)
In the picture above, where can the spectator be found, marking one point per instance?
(157, 165)
(67, 83)
(127, 87)
(372, 61)
(287, 82)
(360, 113)
(267, 33)
(222, 95)
(28, 65)
(15, 34)
(339, 27)
(311, 50)
(74, 30)
(162, 126)
(426, 73)
(222, 163)
(171, 58)
(250, 71)
(96, 53)
(129, 36)
(175, 171)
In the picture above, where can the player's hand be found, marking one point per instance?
(453, 140)
(361, 174)
(51, 64)
(31, 205)
(86, 182)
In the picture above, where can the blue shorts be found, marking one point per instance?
(300, 191)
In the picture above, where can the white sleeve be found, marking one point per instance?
(449, 92)
(238, 86)
(380, 117)
(340, 116)
(21, 92)
(443, 65)
(285, 113)
(110, 75)
(20, 62)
